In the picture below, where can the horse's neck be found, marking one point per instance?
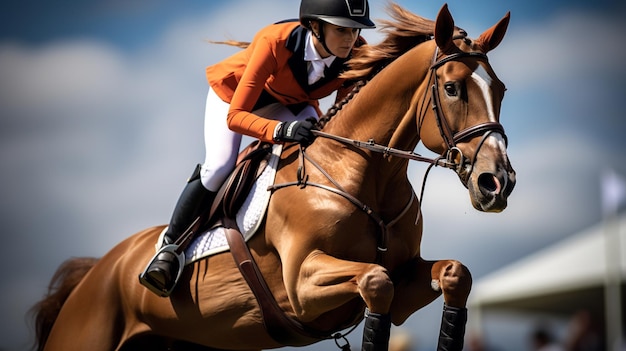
(386, 108)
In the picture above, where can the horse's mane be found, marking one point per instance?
(404, 31)
(230, 42)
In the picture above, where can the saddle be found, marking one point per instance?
(250, 164)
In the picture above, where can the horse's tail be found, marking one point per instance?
(46, 311)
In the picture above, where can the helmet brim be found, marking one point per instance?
(347, 22)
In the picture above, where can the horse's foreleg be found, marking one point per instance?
(455, 281)
(426, 281)
(325, 283)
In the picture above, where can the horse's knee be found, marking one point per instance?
(376, 289)
(455, 281)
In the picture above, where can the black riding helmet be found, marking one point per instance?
(342, 13)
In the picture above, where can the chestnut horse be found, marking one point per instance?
(342, 245)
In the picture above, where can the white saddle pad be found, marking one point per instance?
(249, 217)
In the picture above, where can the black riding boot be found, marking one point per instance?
(161, 274)
(452, 332)
(376, 332)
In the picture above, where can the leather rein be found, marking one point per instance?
(447, 159)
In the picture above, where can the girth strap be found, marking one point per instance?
(283, 329)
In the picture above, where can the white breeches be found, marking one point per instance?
(222, 144)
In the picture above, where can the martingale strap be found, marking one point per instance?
(339, 190)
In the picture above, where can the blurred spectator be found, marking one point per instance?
(541, 340)
(400, 340)
(585, 333)
(475, 343)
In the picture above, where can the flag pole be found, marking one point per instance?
(613, 193)
(612, 287)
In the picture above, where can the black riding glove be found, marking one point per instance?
(298, 131)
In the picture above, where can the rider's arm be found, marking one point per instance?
(240, 117)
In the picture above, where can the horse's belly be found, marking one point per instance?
(214, 306)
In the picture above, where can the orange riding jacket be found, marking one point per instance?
(272, 69)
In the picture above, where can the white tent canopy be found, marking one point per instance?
(565, 277)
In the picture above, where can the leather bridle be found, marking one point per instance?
(452, 152)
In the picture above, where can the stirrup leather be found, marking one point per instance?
(148, 282)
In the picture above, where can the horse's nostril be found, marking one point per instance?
(488, 183)
(510, 184)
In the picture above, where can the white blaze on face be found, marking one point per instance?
(484, 81)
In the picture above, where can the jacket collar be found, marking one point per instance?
(296, 43)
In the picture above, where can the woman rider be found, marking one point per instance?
(268, 91)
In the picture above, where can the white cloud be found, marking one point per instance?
(563, 47)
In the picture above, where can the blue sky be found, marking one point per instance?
(130, 25)
(102, 108)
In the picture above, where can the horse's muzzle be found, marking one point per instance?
(489, 191)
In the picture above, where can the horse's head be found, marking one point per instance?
(464, 122)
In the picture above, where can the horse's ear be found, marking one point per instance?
(444, 30)
(494, 35)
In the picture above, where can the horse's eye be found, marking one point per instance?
(450, 89)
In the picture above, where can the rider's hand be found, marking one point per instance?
(298, 131)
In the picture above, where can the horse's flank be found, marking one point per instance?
(45, 312)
